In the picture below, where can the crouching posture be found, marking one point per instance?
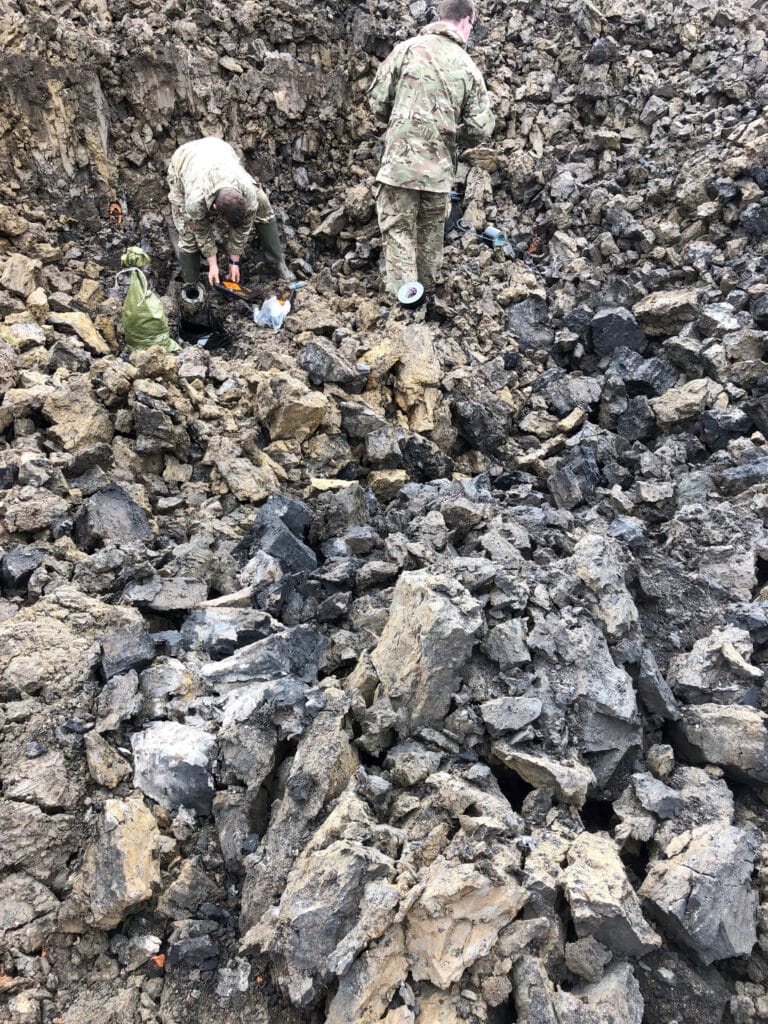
(207, 182)
(434, 97)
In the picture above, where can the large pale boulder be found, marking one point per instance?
(457, 919)
(602, 901)
(121, 868)
(433, 625)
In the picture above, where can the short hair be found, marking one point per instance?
(455, 10)
(231, 206)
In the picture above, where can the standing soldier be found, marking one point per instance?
(432, 92)
(206, 181)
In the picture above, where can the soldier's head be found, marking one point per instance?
(460, 13)
(230, 206)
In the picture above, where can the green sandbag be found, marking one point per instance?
(144, 320)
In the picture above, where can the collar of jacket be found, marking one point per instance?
(442, 28)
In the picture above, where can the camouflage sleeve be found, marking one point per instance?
(381, 91)
(239, 236)
(477, 116)
(200, 223)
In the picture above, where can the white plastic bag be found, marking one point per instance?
(272, 313)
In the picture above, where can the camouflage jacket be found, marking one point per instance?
(196, 172)
(431, 90)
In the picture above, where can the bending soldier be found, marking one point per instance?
(432, 92)
(206, 181)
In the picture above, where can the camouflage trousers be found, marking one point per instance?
(411, 224)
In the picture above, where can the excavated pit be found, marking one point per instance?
(389, 667)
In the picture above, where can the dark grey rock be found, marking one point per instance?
(16, 567)
(528, 321)
(423, 460)
(484, 422)
(200, 953)
(111, 516)
(130, 647)
(720, 426)
(294, 652)
(325, 365)
(739, 478)
(653, 690)
(616, 328)
(220, 631)
(167, 595)
(754, 219)
(575, 481)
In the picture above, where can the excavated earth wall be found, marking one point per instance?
(388, 668)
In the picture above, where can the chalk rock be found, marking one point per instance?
(121, 867)
(602, 901)
(664, 313)
(568, 782)
(456, 920)
(432, 627)
(733, 737)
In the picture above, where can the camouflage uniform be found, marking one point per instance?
(196, 172)
(432, 92)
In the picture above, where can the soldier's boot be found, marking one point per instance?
(273, 251)
(190, 267)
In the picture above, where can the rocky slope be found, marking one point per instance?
(388, 668)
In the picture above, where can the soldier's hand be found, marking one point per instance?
(213, 272)
(233, 271)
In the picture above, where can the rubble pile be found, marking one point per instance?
(391, 667)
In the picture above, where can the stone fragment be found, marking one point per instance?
(321, 769)
(28, 912)
(733, 737)
(700, 891)
(602, 901)
(615, 999)
(39, 844)
(172, 765)
(587, 957)
(324, 365)
(509, 714)
(293, 652)
(106, 766)
(506, 645)
(21, 275)
(111, 516)
(30, 509)
(684, 402)
(159, 594)
(654, 690)
(289, 409)
(616, 328)
(716, 670)
(665, 313)
(566, 782)
(12, 224)
(16, 566)
(121, 868)
(82, 325)
(456, 920)
(130, 647)
(45, 780)
(366, 988)
(432, 627)
(189, 890)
